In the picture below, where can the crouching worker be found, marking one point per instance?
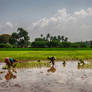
(10, 62)
(52, 64)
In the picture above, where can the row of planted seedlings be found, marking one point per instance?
(32, 64)
(82, 64)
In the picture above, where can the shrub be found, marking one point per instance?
(2, 45)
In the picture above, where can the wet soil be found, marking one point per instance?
(65, 79)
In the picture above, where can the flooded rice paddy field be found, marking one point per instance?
(65, 79)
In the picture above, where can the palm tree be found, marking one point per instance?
(59, 38)
(51, 38)
(66, 39)
(48, 36)
(41, 35)
(62, 38)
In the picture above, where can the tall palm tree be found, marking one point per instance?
(62, 38)
(41, 35)
(66, 39)
(48, 36)
(51, 38)
(59, 38)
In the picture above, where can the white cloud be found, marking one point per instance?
(9, 24)
(89, 10)
(7, 27)
(76, 25)
(81, 13)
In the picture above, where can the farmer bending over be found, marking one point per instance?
(52, 60)
(10, 63)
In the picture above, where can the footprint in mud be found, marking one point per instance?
(59, 83)
(0, 78)
(84, 77)
(48, 83)
(29, 71)
(48, 74)
(82, 90)
(4, 85)
(40, 89)
(7, 84)
(41, 72)
(17, 85)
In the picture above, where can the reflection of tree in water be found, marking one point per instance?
(8, 75)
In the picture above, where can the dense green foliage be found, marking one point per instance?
(21, 39)
(3, 45)
(57, 42)
(4, 38)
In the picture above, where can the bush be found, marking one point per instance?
(2, 45)
(54, 44)
(66, 45)
(75, 45)
(39, 44)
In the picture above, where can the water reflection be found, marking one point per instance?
(52, 69)
(10, 75)
(64, 63)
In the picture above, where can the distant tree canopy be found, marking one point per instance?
(20, 39)
(4, 38)
(56, 42)
(50, 41)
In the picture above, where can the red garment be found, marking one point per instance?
(7, 61)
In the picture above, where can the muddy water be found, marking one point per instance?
(65, 79)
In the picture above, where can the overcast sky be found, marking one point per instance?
(71, 18)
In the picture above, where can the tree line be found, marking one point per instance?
(21, 39)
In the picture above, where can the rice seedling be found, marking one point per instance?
(85, 66)
(60, 54)
(30, 65)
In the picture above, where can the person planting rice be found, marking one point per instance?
(82, 62)
(10, 62)
(52, 60)
(52, 64)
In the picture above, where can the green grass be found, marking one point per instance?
(30, 65)
(43, 53)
